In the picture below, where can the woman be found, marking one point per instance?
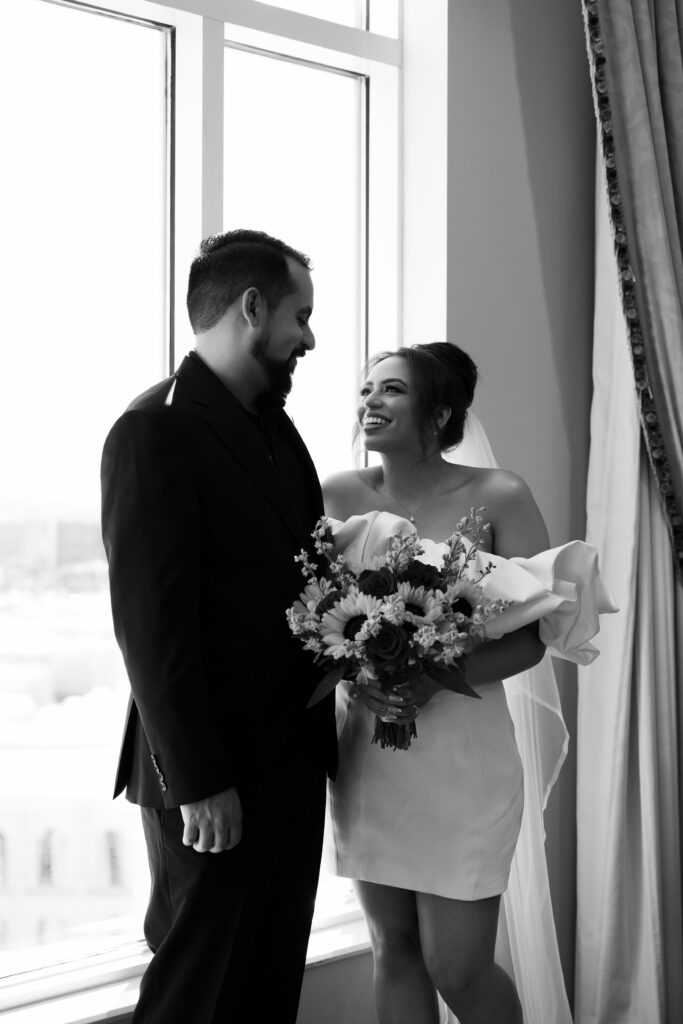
(428, 834)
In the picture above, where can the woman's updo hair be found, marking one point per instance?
(442, 375)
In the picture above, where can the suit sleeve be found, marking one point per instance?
(152, 535)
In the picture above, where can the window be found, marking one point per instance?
(301, 179)
(322, 174)
(113, 853)
(46, 864)
(116, 178)
(85, 253)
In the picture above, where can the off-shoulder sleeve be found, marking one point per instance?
(561, 589)
(361, 539)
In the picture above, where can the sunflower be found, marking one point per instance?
(463, 598)
(421, 606)
(346, 622)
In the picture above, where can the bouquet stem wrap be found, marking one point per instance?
(395, 735)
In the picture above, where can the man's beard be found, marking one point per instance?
(279, 375)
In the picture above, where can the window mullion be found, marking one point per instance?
(212, 122)
(299, 27)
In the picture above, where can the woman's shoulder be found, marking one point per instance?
(347, 491)
(501, 483)
(515, 519)
(486, 484)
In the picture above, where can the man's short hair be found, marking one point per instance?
(226, 265)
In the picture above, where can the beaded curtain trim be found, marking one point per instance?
(649, 418)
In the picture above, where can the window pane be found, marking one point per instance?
(343, 12)
(82, 328)
(292, 168)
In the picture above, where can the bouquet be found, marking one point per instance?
(402, 619)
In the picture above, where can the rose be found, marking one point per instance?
(419, 574)
(377, 583)
(389, 648)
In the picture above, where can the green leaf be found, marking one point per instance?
(328, 684)
(452, 679)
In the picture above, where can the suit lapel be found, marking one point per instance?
(302, 454)
(241, 436)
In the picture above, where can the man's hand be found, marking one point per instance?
(214, 824)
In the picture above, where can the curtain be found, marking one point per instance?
(635, 49)
(629, 947)
(629, 911)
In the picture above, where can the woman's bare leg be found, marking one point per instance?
(458, 939)
(404, 991)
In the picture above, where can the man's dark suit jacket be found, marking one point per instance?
(203, 512)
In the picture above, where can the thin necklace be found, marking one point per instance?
(411, 515)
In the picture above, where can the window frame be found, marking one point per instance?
(194, 178)
(104, 986)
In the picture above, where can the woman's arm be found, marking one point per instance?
(499, 659)
(518, 531)
(491, 661)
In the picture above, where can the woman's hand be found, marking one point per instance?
(402, 703)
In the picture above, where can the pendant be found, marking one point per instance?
(412, 518)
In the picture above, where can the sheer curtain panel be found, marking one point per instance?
(629, 930)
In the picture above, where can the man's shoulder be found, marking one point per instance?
(148, 415)
(158, 396)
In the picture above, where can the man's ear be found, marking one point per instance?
(253, 307)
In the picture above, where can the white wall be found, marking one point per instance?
(520, 283)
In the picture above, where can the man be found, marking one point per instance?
(208, 493)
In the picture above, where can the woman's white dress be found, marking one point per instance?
(441, 817)
(444, 816)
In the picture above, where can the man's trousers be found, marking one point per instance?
(230, 930)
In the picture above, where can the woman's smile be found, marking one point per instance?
(374, 421)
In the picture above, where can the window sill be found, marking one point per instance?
(105, 987)
(337, 938)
